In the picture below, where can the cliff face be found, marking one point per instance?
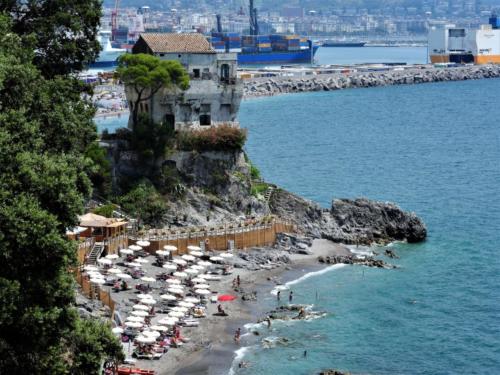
(350, 221)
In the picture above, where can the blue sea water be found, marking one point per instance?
(434, 149)
(362, 55)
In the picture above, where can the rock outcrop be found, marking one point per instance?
(329, 82)
(359, 221)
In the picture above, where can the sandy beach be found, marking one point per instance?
(211, 348)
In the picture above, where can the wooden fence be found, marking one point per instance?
(94, 291)
(244, 235)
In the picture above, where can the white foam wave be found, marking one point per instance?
(287, 285)
(239, 354)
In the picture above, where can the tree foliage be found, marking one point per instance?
(45, 128)
(63, 31)
(219, 138)
(147, 74)
(146, 203)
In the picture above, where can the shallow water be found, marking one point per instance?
(433, 149)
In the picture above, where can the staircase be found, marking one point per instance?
(268, 193)
(95, 253)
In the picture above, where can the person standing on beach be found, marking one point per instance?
(238, 280)
(290, 296)
(278, 295)
(237, 335)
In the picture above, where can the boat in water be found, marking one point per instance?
(265, 49)
(108, 57)
(332, 43)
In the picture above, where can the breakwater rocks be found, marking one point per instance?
(329, 82)
(359, 221)
(349, 259)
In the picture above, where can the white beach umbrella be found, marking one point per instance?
(162, 253)
(170, 267)
(196, 253)
(90, 268)
(159, 328)
(176, 314)
(96, 274)
(105, 261)
(134, 318)
(169, 321)
(198, 280)
(117, 330)
(144, 296)
(202, 286)
(143, 243)
(140, 307)
(173, 281)
(186, 304)
(194, 248)
(97, 281)
(154, 334)
(216, 259)
(146, 339)
(170, 247)
(204, 263)
(148, 279)
(141, 260)
(226, 255)
(139, 313)
(180, 274)
(180, 309)
(192, 299)
(112, 256)
(133, 324)
(114, 271)
(126, 251)
(202, 292)
(123, 276)
(191, 271)
(181, 262)
(189, 258)
(135, 247)
(168, 297)
(204, 277)
(149, 301)
(197, 267)
(133, 265)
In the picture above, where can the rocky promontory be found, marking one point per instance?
(329, 82)
(359, 221)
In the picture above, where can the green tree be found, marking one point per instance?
(147, 74)
(146, 203)
(64, 31)
(45, 128)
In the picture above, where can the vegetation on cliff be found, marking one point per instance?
(219, 138)
(46, 128)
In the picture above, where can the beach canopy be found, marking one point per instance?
(127, 251)
(186, 304)
(159, 328)
(170, 247)
(202, 286)
(204, 263)
(135, 247)
(149, 301)
(226, 297)
(133, 265)
(171, 267)
(189, 258)
(176, 314)
(194, 248)
(148, 279)
(151, 333)
(146, 339)
(175, 290)
(123, 276)
(97, 281)
(104, 261)
(180, 309)
(168, 297)
(114, 270)
(144, 296)
(192, 299)
(202, 292)
(112, 256)
(143, 243)
(117, 330)
(216, 259)
(226, 255)
(162, 253)
(180, 274)
(168, 321)
(197, 267)
(200, 280)
(182, 262)
(133, 324)
(139, 313)
(141, 260)
(192, 271)
(133, 318)
(90, 268)
(196, 253)
(173, 281)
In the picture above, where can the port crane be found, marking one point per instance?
(114, 20)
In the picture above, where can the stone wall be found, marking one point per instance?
(329, 82)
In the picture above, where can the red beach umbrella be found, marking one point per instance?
(226, 297)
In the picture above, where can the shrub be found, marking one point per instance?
(146, 203)
(106, 210)
(254, 172)
(220, 138)
(258, 189)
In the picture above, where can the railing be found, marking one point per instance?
(95, 292)
(84, 249)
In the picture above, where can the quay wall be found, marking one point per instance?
(258, 87)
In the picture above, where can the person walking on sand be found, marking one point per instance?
(278, 295)
(237, 335)
(290, 296)
(238, 280)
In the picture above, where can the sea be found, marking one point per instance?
(433, 149)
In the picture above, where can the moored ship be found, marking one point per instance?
(332, 43)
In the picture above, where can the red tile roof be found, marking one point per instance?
(177, 43)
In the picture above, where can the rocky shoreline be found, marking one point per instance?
(330, 82)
